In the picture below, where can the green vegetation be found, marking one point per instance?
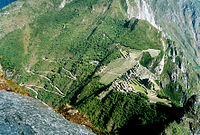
(177, 129)
(140, 35)
(118, 112)
(172, 90)
(169, 67)
(172, 80)
(7, 64)
(12, 48)
(138, 86)
(156, 61)
(124, 5)
(146, 59)
(178, 61)
(49, 98)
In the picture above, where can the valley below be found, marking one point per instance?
(114, 66)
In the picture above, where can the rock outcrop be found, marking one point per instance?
(24, 115)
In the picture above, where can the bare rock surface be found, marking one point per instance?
(24, 115)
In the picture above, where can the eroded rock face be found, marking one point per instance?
(180, 20)
(142, 11)
(23, 115)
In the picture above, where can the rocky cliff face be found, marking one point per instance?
(24, 115)
(183, 25)
(180, 21)
(141, 11)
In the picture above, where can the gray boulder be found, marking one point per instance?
(21, 115)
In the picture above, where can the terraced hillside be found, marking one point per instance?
(119, 71)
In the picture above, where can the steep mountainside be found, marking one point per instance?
(181, 21)
(125, 65)
(178, 19)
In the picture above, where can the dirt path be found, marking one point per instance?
(32, 90)
(71, 76)
(40, 87)
(42, 76)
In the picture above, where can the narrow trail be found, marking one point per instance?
(46, 72)
(59, 92)
(39, 87)
(72, 76)
(32, 90)
(42, 76)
